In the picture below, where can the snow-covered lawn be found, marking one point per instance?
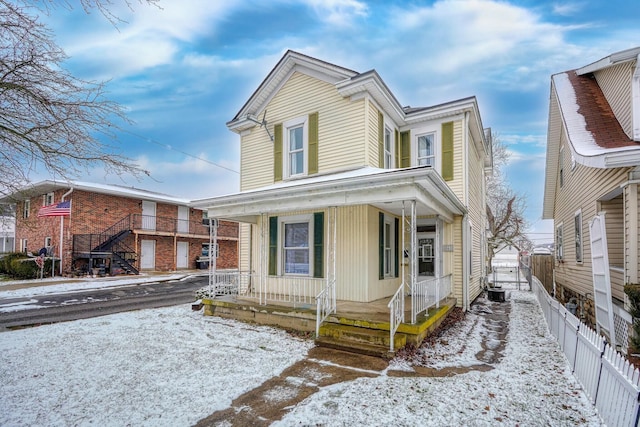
(173, 366)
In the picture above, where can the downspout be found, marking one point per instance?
(465, 220)
(62, 226)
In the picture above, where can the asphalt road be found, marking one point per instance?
(55, 308)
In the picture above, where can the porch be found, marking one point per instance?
(377, 328)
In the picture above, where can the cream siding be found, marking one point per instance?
(457, 183)
(352, 260)
(340, 131)
(477, 217)
(244, 243)
(373, 153)
(582, 189)
(457, 258)
(632, 232)
(615, 83)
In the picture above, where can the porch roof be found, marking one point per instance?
(383, 188)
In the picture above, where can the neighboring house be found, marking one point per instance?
(119, 229)
(345, 192)
(593, 171)
(7, 233)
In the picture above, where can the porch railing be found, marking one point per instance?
(396, 313)
(428, 293)
(294, 290)
(325, 304)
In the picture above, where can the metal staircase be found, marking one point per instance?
(108, 244)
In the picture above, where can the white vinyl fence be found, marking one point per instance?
(610, 382)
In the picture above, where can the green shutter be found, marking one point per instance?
(405, 150)
(380, 140)
(277, 152)
(313, 143)
(381, 246)
(396, 261)
(397, 147)
(318, 244)
(447, 151)
(273, 245)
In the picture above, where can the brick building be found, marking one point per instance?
(117, 229)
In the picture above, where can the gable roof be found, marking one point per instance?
(352, 83)
(594, 134)
(43, 187)
(595, 137)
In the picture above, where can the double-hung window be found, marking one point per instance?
(296, 143)
(578, 235)
(426, 150)
(47, 199)
(296, 247)
(388, 254)
(559, 242)
(388, 148)
(26, 207)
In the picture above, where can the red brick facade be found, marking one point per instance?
(93, 213)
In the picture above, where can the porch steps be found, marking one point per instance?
(356, 339)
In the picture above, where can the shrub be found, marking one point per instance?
(17, 265)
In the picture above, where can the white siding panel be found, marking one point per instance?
(615, 83)
(583, 187)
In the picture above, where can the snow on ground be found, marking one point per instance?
(173, 366)
(531, 386)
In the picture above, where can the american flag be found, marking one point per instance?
(56, 209)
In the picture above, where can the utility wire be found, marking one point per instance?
(168, 147)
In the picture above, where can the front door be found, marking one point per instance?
(147, 254)
(426, 255)
(182, 260)
(183, 219)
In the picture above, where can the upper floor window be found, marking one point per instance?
(426, 150)
(47, 199)
(26, 207)
(388, 148)
(296, 143)
(578, 230)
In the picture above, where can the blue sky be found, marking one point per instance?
(183, 69)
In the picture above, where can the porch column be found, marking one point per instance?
(213, 243)
(409, 224)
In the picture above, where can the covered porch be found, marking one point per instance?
(412, 212)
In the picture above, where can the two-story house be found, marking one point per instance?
(591, 187)
(348, 196)
(115, 229)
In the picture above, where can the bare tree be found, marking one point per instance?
(49, 118)
(505, 208)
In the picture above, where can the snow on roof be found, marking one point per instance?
(595, 136)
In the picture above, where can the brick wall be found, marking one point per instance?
(94, 213)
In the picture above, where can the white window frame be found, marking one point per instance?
(23, 245)
(433, 156)
(389, 247)
(433, 129)
(389, 148)
(47, 199)
(26, 208)
(559, 246)
(579, 236)
(294, 219)
(48, 242)
(286, 152)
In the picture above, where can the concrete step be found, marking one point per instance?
(358, 339)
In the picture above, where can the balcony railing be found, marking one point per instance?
(179, 226)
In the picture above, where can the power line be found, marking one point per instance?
(168, 147)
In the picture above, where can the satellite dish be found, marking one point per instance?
(262, 123)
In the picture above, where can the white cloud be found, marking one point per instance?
(339, 12)
(566, 9)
